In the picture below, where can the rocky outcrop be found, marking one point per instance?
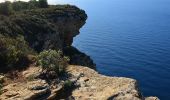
(48, 28)
(25, 91)
(52, 27)
(89, 85)
(94, 86)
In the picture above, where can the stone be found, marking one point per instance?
(94, 86)
(152, 98)
(18, 91)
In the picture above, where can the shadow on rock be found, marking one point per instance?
(78, 58)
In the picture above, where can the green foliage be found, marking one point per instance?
(33, 4)
(51, 60)
(1, 86)
(19, 5)
(68, 84)
(43, 4)
(6, 8)
(12, 51)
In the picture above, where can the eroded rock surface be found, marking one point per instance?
(25, 91)
(89, 85)
(94, 86)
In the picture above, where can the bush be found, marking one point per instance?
(43, 3)
(51, 60)
(1, 86)
(68, 84)
(20, 5)
(6, 8)
(12, 52)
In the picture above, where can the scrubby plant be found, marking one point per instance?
(52, 60)
(43, 3)
(33, 4)
(6, 8)
(68, 84)
(1, 85)
(20, 5)
(12, 51)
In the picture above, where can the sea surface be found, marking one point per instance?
(128, 38)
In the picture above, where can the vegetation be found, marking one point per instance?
(24, 28)
(1, 85)
(68, 84)
(8, 8)
(13, 51)
(51, 60)
(43, 3)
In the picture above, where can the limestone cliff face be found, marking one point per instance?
(48, 28)
(53, 27)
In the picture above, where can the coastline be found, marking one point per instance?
(55, 29)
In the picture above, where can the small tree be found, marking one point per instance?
(6, 8)
(43, 3)
(51, 60)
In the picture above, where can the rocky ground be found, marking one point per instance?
(89, 86)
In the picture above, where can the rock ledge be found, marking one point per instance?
(89, 86)
(94, 86)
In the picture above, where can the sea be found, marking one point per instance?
(128, 38)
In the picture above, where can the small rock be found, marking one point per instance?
(11, 94)
(151, 98)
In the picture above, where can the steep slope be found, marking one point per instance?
(47, 28)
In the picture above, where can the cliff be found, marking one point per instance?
(55, 28)
(48, 28)
(87, 85)
(94, 86)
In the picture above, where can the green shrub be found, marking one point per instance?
(1, 86)
(68, 84)
(20, 5)
(43, 3)
(6, 8)
(51, 60)
(12, 51)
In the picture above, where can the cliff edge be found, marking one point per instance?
(94, 86)
(53, 28)
(84, 84)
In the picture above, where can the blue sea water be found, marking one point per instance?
(129, 38)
